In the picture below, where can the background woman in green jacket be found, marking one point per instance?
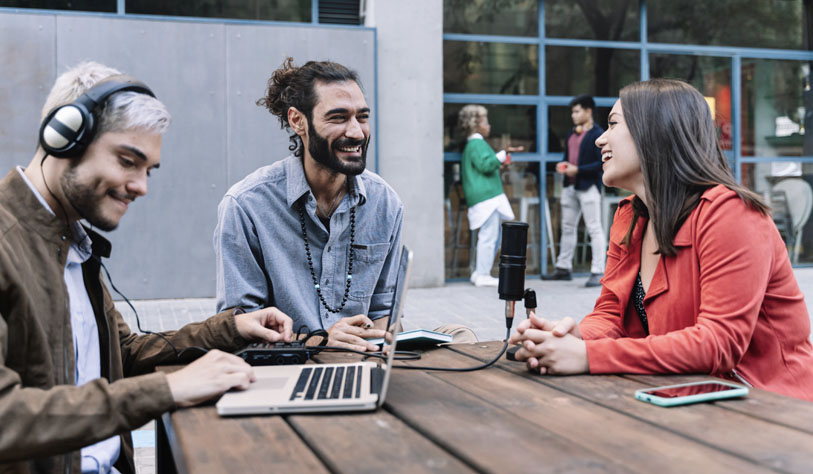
(487, 203)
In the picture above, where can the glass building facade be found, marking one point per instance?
(525, 59)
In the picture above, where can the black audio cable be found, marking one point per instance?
(178, 354)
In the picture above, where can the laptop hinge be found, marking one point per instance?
(376, 380)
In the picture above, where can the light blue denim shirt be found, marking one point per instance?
(261, 259)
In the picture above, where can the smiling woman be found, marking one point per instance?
(716, 293)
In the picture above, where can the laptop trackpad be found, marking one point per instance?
(269, 383)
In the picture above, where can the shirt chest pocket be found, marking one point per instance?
(368, 260)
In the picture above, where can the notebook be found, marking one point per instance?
(417, 338)
(311, 388)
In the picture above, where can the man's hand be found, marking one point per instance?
(267, 324)
(569, 170)
(514, 149)
(209, 376)
(546, 353)
(351, 333)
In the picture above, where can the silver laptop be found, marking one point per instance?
(322, 387)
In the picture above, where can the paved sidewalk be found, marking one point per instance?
(462, 303)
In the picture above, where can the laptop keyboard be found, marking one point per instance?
(319, 383)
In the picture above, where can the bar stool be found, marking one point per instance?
(456, 227)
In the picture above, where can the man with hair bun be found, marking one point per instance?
(314, 234)
(74, 380)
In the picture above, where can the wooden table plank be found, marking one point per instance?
(638, 445)
(485, 435)
(767, 406)
(211, 444)
(372, 443)
(770, 444)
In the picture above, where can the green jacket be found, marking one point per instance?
(480, 170)
(44, 417)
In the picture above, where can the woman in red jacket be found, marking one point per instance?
(698, 279)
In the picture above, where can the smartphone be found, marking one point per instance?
(694, 392)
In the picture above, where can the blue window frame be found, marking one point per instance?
(543, 102)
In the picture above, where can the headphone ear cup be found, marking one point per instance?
(63, 130)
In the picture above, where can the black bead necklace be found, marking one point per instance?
(349, 260)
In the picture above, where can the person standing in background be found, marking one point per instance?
(482, 187)
(581, 193)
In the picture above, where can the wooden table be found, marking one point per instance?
(502, 419)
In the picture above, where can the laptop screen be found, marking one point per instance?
(398, 297)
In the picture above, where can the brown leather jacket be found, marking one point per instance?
(44, 418)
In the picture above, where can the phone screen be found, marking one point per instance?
(689, 390)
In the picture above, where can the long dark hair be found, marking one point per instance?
(292, 86)
(680, 156)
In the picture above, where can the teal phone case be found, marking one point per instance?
(735, 392)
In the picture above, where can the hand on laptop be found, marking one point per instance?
(267, 324)
(351, 333)
(209, 376)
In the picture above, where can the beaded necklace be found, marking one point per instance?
(349, 260)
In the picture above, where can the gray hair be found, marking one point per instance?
(123, 111)
(469, 117)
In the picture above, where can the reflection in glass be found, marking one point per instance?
(790, 198)
(600, 72)
(489, 17)
(614, 20)
(76, 5)
(273, 10)
(521, 186)
(710, 75)
(490, 68)
(561, 125)
(747, 23)
(513, 125)
(774, 118)
(610, 197)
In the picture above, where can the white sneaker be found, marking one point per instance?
(485, 280)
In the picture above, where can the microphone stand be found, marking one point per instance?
(510, 287)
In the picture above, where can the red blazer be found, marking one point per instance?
(727, 304)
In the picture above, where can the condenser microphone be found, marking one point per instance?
(512, 266)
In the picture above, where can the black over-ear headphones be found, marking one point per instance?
(67, 130)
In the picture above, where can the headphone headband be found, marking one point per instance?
(68, 129)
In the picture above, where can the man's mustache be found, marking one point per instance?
(349, 142)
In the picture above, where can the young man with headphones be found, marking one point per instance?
(74, 380)
(581, 194)
(315, 234)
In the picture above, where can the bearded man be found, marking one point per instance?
(316, 234)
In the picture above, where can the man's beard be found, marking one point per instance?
(85, 201)
(321, 151)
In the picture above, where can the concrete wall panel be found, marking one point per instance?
(27, 55)
(254, 52)
(163, 245)
(410, 99)
(209, 75)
